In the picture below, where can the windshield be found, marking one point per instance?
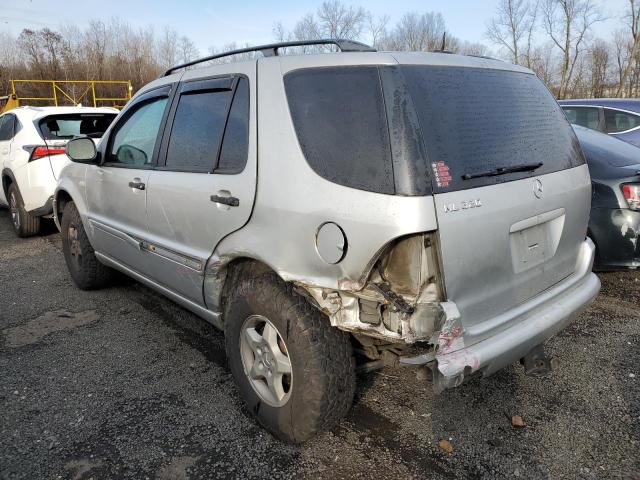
(478, 121)
(56, 127)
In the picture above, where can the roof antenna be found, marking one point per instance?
(444, 40)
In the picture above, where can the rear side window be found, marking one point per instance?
(6, 127)
(476, 121)
(618, 122)
(210, 129)
(340, 120)
(197, 130)
(56, 127)
(583, 116)
(233, 156)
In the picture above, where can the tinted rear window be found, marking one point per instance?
(68, 126)
(476, 120)
(340, 120)
(197, 130)
(233, 155)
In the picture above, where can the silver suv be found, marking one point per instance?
(423, 207)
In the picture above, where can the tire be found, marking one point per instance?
(321, 384)
(86, 270)
(24, 224)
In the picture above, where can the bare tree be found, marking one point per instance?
(464, 47)
(510, 26)
(633, 16)
(187, 50)
(168, 47)
(598, 68)
(417, 32)
(567, 22)
(542, 62)
(336, 20)
(532, 23)
(280, 34)
(377, 29)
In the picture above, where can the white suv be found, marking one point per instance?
(32, 141)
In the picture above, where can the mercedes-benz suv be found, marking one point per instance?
(423, 207)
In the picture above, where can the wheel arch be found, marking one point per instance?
(222, 272)
(60, 200)
(7, 179)
(68, 191)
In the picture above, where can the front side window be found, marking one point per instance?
(584, 116)
(134, 140)
(618, 122)
(341, 124)
(6, 127)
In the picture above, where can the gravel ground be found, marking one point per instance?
(122, 383)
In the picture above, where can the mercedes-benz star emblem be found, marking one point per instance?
(538, 189)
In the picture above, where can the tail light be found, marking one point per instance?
(631, 192)
(40, 151)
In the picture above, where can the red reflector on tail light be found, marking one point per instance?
(40, 152)
(631, 192)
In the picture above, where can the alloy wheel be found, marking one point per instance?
(266, 361)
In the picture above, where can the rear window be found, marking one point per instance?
(340, 120)
(475, 121)
(56, 127)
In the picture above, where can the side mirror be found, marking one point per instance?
(82, 150)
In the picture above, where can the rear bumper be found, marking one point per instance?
(46, 209)
(530, 324)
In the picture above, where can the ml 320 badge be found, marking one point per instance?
(464, 205)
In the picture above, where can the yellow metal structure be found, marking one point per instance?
(63, 92)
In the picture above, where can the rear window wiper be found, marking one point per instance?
(525, 167)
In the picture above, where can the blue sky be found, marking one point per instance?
(210, 23)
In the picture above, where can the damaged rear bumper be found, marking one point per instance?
(529, 325)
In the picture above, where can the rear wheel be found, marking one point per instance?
(86, 270)
(295, 372)
(24, 224)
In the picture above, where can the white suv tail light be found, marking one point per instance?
(39, 151)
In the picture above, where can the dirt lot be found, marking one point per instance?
(122, 383)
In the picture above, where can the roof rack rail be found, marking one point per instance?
(271, 50)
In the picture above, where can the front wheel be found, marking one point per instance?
(294, 371)
(86, 270)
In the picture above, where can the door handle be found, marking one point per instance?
(137, 183)
(231, 201)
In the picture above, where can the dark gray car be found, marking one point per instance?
(615, 208)
(618, 117)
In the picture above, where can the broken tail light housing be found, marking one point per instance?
(631, 192)
(40, 151)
